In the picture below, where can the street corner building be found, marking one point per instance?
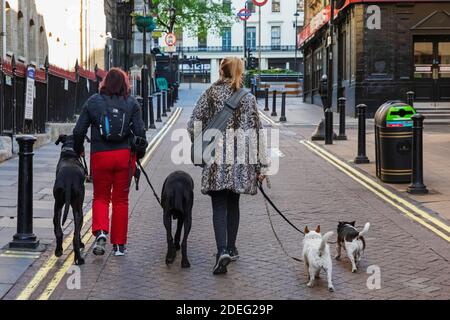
(381, 50)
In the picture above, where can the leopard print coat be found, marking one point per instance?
(240, 176)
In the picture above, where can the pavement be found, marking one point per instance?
(403, 259)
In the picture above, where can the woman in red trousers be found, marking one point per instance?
(116, 123)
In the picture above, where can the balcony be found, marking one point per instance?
(217, 49)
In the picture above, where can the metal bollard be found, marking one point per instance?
(410, 98)
(341, 109)
(283, 107)
(266, 99)
(152, 112)
(164, 103)
(274, 104)
(361, 157)
(25, 238)
(252, 88)
(256, 91)
(417, 186)
(328, 126)
(169, 99)
(158, 107)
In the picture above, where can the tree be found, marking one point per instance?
(193, 16)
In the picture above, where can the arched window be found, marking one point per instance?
(32, 43)
(20, 35)
(8, 27)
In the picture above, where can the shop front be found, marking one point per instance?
(382, 49)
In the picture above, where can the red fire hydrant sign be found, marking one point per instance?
(260, 3)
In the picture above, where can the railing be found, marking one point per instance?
(211, 49)
(67, 92)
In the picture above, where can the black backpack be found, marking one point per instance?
(114, 123)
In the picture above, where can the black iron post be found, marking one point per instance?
(328, 126)
(297, 14)
(283, 107)
(417, 186)
(77, 80)
(410, 98)
(25, 238)
(158, 107)
(266, 99)
(152, 112)
(341, 110)
(144, 75)
(2, 95)
(47, 88)
(164, 103)
(274, 104)
(14, 97)
(169, 99)
(361, 157)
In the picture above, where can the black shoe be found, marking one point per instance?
(100, 243)
(222, 260)
(234, 254)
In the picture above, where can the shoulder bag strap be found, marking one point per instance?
(234, 101)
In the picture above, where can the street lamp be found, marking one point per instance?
(296, 15)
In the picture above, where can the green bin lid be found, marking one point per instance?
(162, 83)
(394, 114)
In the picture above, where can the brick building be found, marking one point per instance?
(382, 49)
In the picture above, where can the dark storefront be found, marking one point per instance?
(408, 48)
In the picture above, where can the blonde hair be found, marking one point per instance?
(232, 69)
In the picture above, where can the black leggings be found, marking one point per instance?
(225, 205)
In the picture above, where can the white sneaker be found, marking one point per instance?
(119, 250)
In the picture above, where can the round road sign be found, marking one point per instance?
(171, 39)
(260, 3)
(244, 14)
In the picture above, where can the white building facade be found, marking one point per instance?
(278, 38)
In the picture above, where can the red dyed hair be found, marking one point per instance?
(116, 83)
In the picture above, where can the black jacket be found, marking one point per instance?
(90, 116)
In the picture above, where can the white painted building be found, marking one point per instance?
(278, 38)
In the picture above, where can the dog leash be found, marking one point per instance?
(276, 209)
(267, 199)
(148, 181)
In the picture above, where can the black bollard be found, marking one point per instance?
(410, 98)
(341, 110)
(361, 157)
(164, 97)
(328, 126)
(266, 99)
(25, 238)
(283, 107)
(274, 104)
(169, 99)
(158, 107)
(417, 186)
(256, 91)
(152, 112)
(252, 89)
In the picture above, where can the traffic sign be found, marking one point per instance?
(260, 3)
(244, 14)
(171, 39)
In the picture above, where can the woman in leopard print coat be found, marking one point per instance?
(225, 179)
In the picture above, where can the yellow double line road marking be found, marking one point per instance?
(409, 209)
(52, 260)
(267, 118)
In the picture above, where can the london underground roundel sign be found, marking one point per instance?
(244, 14)
(260, 3)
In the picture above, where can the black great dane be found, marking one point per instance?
(68, 191)
(177, 199)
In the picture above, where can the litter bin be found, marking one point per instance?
(393, 142)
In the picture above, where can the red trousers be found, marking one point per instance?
(111, 178)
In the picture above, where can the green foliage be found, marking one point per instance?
(194, 16)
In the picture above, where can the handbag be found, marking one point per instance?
(202, 151)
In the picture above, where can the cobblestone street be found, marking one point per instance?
(412, 260)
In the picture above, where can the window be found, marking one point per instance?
(226, 38)
(276, 37)
(227, 5)
(251, 38)
(202, 41)
(300, 5)
(276, 6)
